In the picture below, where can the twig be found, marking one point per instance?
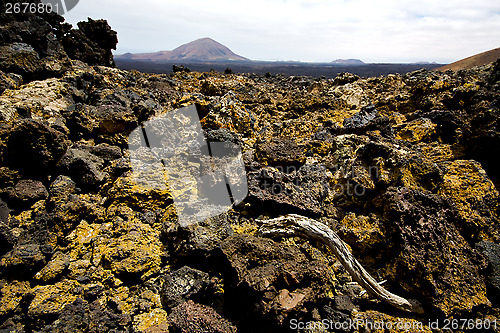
(297, 225)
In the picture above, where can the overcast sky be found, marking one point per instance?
(306, 30)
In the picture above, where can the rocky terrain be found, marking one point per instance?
(405, 169)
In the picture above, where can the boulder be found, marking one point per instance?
(91, 43)
(183, 284)
(154, 321)
(24, 260)
(492, 253)
(9, 81)
(34, 148)
(301, 189)
(11, 296)
(45, 101)
(190, 317)
(199, 241)
(429, 257)
(276, 280)
(84, 167)
(77, 314)
(280, 152)
(22, 59)
(25, 193)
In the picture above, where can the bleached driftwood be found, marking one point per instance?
(297, 225)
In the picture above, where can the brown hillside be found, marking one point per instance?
(475, 60)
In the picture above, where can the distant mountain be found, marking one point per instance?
(475, 60)
(203, 49)
(348, 62)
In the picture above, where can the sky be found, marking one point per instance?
(398, 31)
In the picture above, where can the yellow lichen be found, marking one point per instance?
(364, 229)
(245, 228)
(467, 185)
(417, 130)
(51, 299)
(11, 295)
(150, 319)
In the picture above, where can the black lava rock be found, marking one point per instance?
(26, 193)
(492, 253)
(183, 284)
(34, 148)
(92, 43)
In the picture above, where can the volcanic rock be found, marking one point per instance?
(197, 318)
(492, 253)
(404, 168)
(183, 284)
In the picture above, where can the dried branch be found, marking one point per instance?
(297, 225)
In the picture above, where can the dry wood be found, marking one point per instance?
(297, 225)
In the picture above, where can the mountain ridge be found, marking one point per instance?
(202, 49)
(345, 62)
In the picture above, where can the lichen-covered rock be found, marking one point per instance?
(280, 152)
(183, 284)
(50, 300)
(363, 233)
(68, 211)
(61, 188)
(40, 100)
(198, 241)
(24, 258)
(74, 316)
(417, 130)
(428, 250)
(11, 295)
(80, 316)
(54, 267)
(154, 321)
(20, 58)
(470, 189)
(140, 193)
(127, 248)
(32, 243)
(305, 188)
(134, 255)
(9, 81)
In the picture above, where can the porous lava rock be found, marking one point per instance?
(403, 167)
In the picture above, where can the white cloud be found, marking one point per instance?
(312, 30)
